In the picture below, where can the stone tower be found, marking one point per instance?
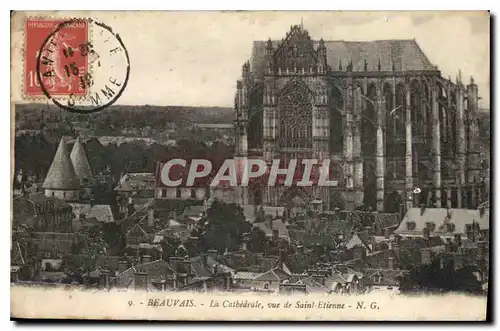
(62, 181)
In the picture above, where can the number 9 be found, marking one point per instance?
(130, 303)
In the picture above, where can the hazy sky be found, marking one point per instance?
(195, 58)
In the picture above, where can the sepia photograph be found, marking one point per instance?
(250, 165)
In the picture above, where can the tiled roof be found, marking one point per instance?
(388, 277)
(245, 275)
(80, 162)
(56, 242)
(196, 262)
(312, 285)
(275, 274)
(387, 220)
(136, 181)
(251, 211)
(102, 213)
(380, 259)
(103, 262)
(359, 239)
(194, 211)
(459, 217)
(40, 198)
(406, 55)
(62, 175)
(158, 269)
(277, 225)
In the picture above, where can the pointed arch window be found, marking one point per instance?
(295, 118)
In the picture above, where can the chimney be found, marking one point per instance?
(146, 258)
(122, 266)
(458, 240)
(151, 217)
(282, 257)
(422, 209)
(175, 281)
(141, 280)
(276, 234)
(391, 263)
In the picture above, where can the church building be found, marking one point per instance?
(398, 133)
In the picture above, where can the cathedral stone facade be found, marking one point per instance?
(399, 134)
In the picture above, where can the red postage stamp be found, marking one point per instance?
(65, 59)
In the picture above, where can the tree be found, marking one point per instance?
(258, 241)
(114, 236)
(169, 246)
(224, 227)
(435, 277)
(95, 244)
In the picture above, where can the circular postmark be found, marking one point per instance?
(82, 75)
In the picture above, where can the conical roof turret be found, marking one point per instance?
(61, 175)
(80, 162)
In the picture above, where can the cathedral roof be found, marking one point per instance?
(61, 175)
(406, 55)
(80, 161)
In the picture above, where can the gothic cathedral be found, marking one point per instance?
(398, 133)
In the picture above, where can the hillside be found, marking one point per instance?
(30, 116)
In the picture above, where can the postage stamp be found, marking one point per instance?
(74, 71)
(61, 57)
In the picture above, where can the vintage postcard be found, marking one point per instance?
(305, 166)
